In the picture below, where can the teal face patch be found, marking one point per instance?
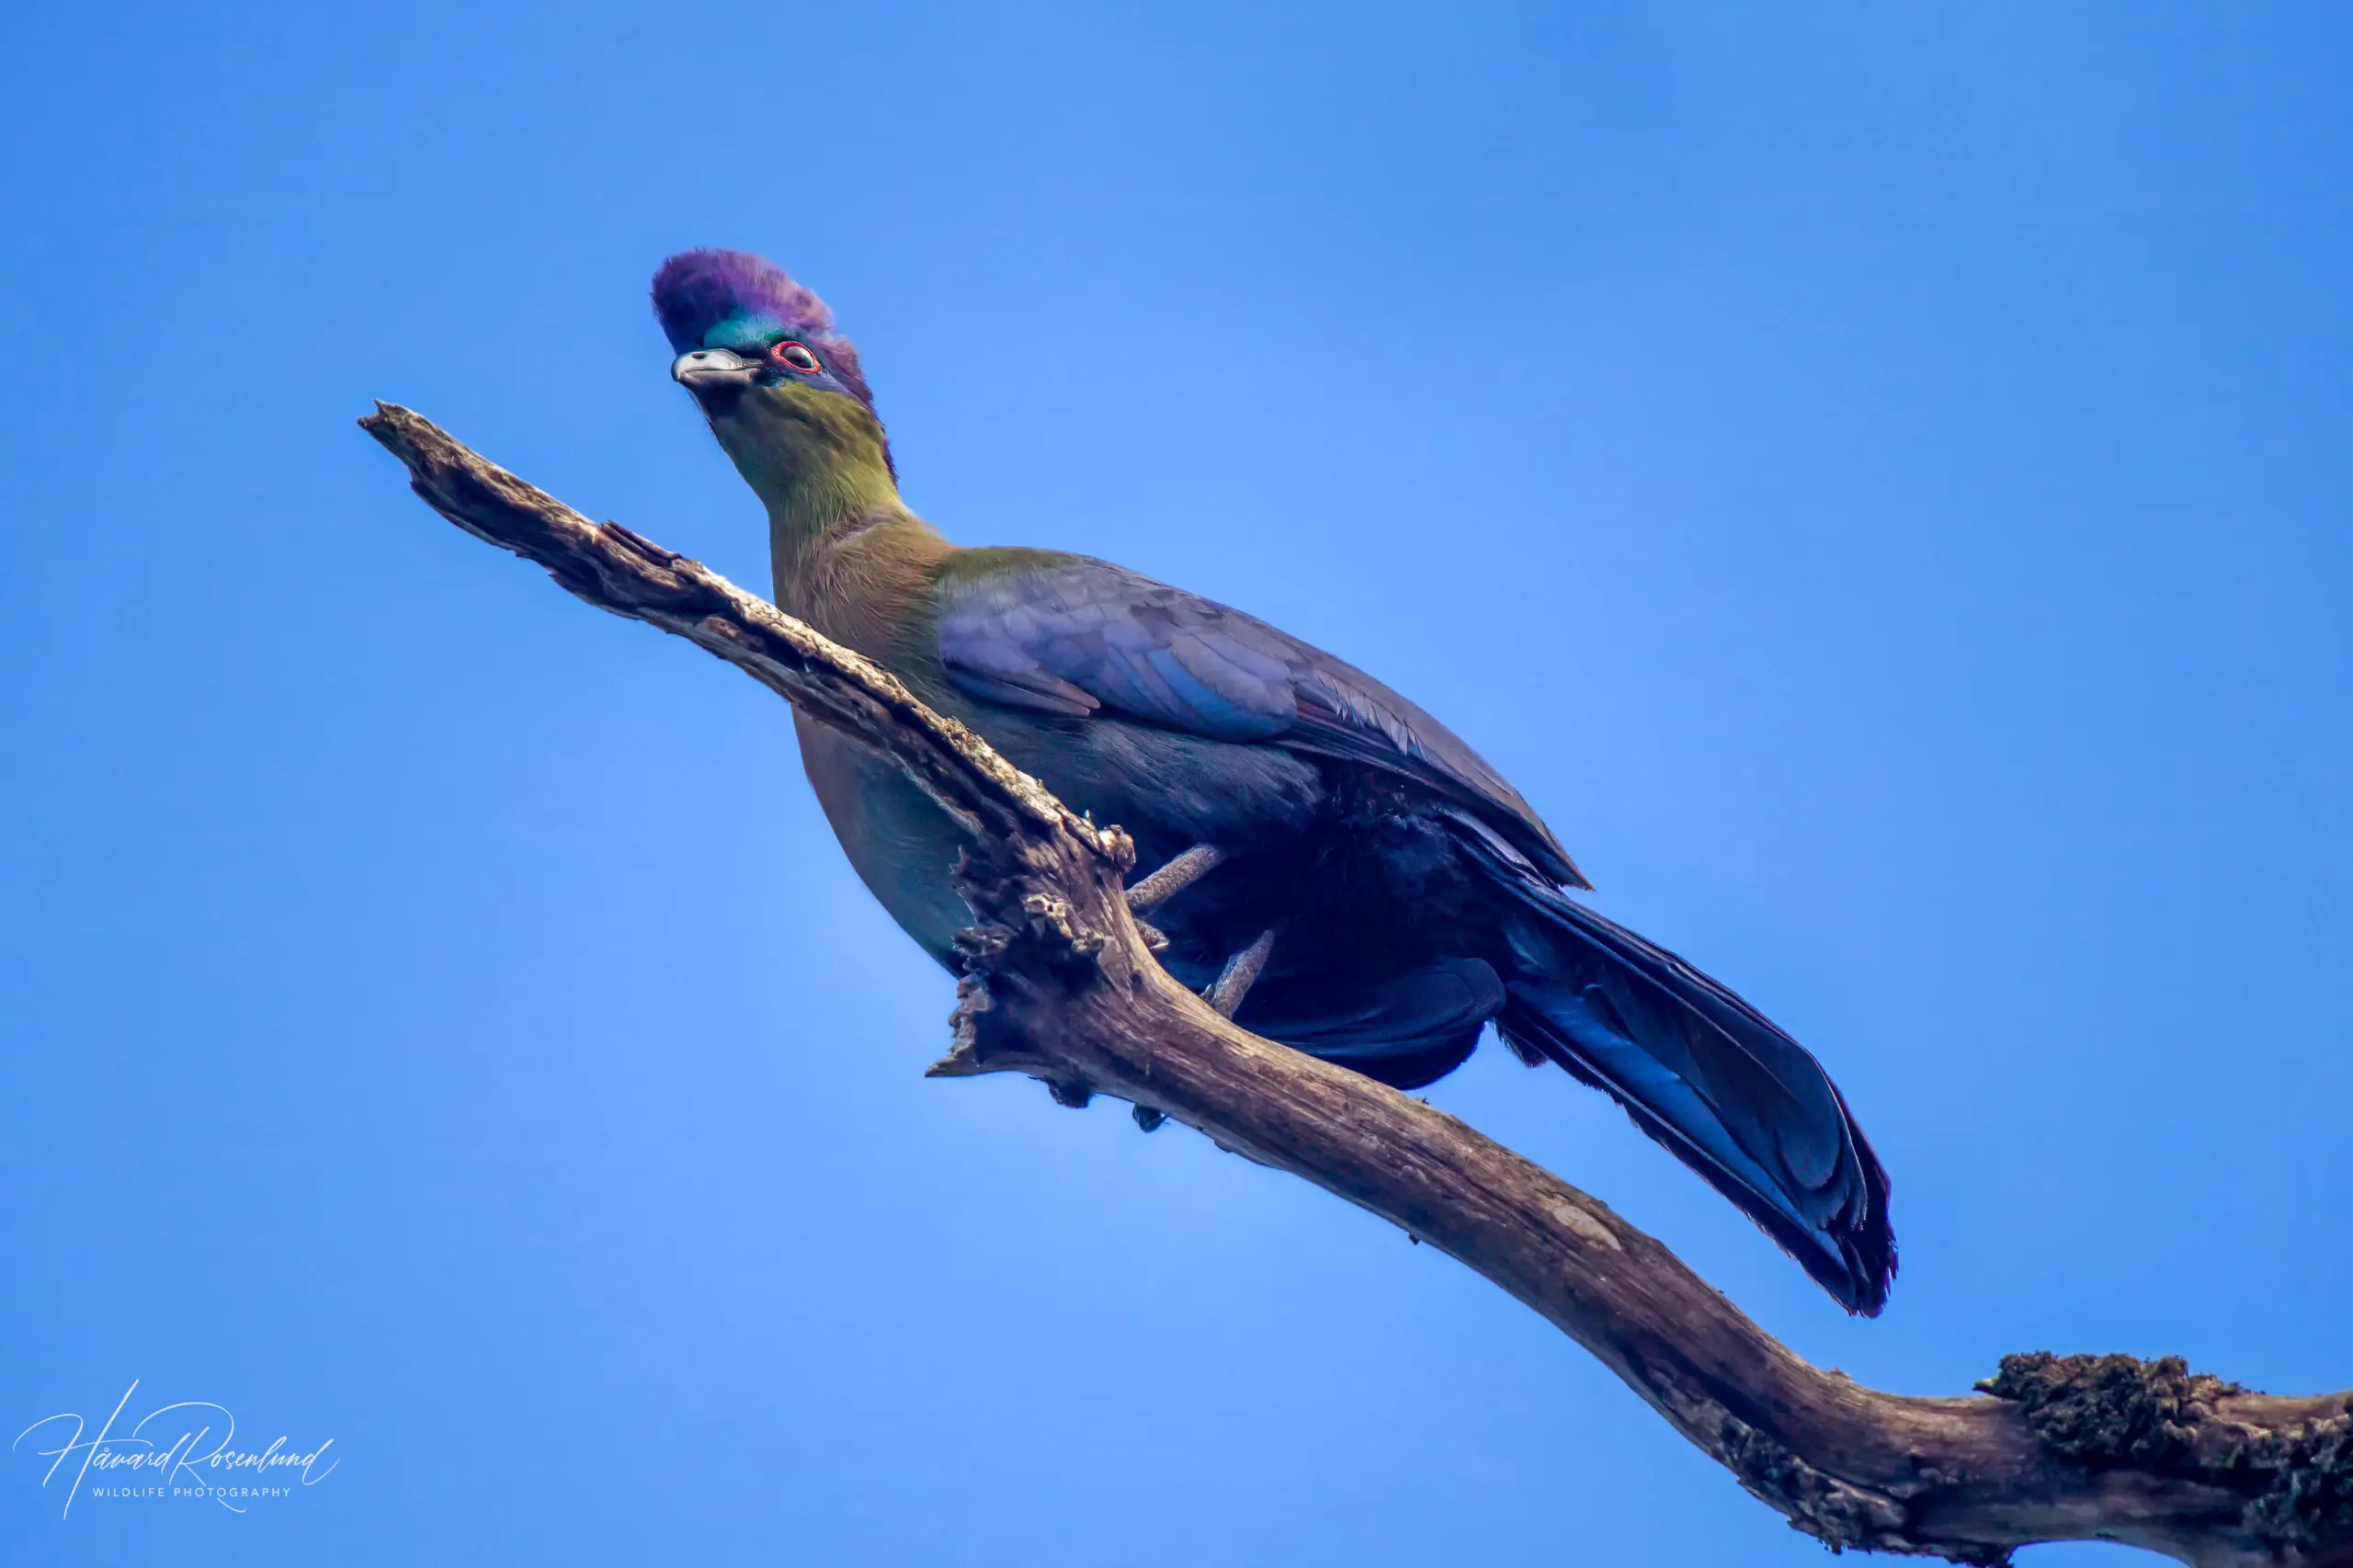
(745, 334)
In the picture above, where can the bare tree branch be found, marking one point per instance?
(1060, 984)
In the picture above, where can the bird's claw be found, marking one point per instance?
(1240, 973)
(1174, 878)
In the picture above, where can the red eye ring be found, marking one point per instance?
(796, 356)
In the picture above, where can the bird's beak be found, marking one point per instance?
(716, 377)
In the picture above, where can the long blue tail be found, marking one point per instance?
(1700, 1071)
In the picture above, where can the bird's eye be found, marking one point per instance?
(797, 357)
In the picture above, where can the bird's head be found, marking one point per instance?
(781, 389)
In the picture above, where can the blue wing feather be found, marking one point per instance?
(1696, 1067)
(1066, 634)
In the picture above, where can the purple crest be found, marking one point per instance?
(697, 290)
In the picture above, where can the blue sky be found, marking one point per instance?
(1875, 476)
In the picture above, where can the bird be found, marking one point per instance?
(1336, 870)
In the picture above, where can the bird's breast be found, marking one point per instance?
(900, 843)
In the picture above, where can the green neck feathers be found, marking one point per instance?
(819, 462)
(849, 556)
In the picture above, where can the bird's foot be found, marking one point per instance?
(1241, 973)
(1174, 878)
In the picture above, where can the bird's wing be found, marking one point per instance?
(1071, 636)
